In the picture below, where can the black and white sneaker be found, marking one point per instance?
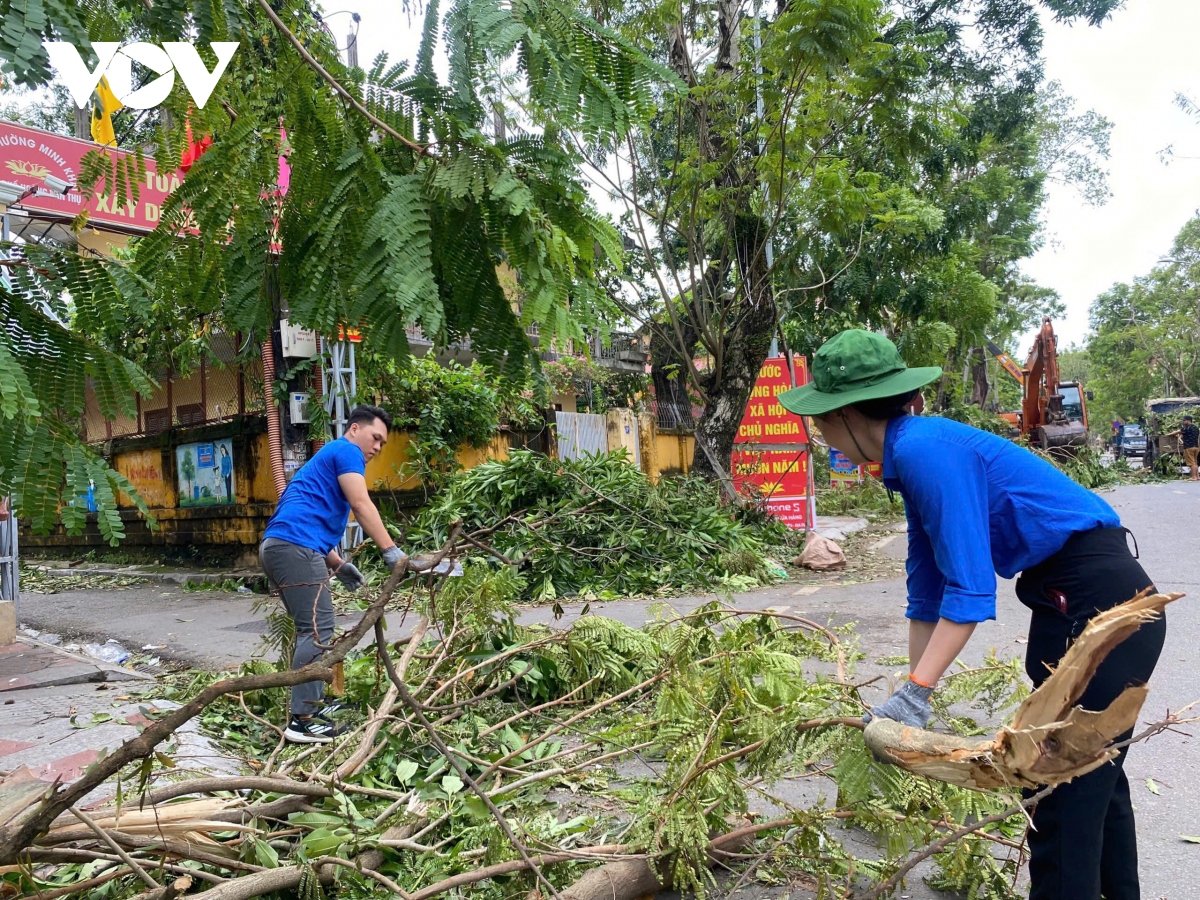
(333, 707)
(311, 731)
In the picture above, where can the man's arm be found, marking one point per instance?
(354, 487)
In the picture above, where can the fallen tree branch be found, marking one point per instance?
(15, 835)
(116, 848)
(415, 708)
(941, 844)
(1050, 740)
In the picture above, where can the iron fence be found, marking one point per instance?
(675, 416)
(219, 389)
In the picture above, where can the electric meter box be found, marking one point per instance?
(298, 407)
(298, 343)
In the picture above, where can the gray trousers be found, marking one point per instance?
(302, 579)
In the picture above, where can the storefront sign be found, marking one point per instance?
(28, 155)
(842, 472)
(770, 454)
(205, 473)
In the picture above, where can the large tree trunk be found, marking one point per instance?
(746, 344)
(980, 386)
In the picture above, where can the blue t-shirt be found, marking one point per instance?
(313, 511)
(977, 505)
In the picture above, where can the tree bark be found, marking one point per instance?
(980, 386)
(747, 342)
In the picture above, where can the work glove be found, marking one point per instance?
(393, 555)
(352, 579)
(908, 706)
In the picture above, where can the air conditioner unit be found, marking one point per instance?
(298, 343)
(298, 407)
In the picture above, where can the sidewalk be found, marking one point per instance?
(60, 712)
(154, 574)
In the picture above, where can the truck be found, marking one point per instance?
(1164, 451)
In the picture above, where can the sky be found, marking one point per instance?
(1129, 70)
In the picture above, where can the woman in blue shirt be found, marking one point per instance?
(977, 506)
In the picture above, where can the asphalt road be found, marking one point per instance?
(219, 630)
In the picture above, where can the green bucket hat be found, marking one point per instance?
(854, 366)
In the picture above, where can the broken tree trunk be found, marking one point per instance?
(1051, 740)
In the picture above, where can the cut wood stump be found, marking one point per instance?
(1051, 740)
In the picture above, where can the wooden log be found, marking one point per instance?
(1051, 740)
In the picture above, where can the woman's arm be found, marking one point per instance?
(932, 648)
(919, 633)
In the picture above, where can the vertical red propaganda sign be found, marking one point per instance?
(770, 453)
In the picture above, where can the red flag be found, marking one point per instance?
(194, 150)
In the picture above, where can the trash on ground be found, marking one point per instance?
(821, 554)
(109, 652)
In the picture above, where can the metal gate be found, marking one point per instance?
(9, 583)
(581, 434)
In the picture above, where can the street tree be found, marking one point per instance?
(404, 200)
(833, 165)
(1145, 339)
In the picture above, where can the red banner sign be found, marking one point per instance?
(770, 454)
(28, 155)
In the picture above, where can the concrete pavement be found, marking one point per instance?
(219, 630)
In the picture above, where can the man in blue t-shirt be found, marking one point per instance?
(299, 550)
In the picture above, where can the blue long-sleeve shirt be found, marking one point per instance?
(977, 505)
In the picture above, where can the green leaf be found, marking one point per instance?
(405, 770)
(325, 841)
(451, 784)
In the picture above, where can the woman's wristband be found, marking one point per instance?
(915, 680)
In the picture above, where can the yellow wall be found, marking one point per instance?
(386, 471)
(675, 452)
(144, 469)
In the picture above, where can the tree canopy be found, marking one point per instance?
(404, 200)
(1145, 339)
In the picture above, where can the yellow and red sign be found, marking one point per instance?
(770, 453)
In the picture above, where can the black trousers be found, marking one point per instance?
(1083, 845)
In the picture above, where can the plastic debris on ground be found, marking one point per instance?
(109, 652)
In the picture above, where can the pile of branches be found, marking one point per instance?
(597, 527)
(596, 761)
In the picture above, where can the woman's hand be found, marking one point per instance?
(908, 706)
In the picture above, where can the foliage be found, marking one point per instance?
(596, 527)
(868, 498)
(1070, 145)
(713, 703)
(596, 388)
(1145, 339)
(972, 415)
(383, 227)
(1085, 466)
(444, 407)
(44, 367)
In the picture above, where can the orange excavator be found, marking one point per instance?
(1053, 413)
